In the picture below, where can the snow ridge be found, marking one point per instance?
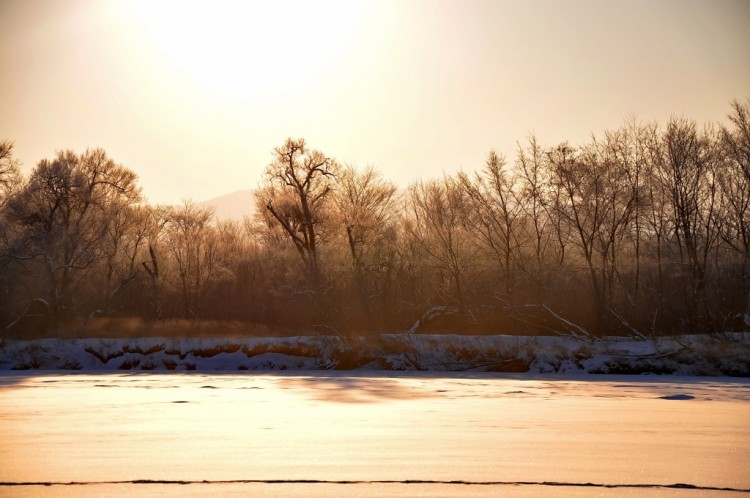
(727, 355)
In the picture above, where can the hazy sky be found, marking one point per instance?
(193, 96)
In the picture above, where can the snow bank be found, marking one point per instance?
(728, 354)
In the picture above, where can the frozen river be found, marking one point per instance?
(318, 434)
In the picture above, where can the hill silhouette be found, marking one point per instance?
(233, 206)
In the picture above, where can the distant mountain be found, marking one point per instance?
(234, 206)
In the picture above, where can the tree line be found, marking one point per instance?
(644, 230)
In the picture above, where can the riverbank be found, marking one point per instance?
(725, 355)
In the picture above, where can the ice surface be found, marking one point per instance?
(378, 429)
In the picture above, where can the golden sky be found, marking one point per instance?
(193, 95)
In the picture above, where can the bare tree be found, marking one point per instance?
(620, 167)
(124, 237)
(10, 176)
(62, 212)
(533, 200)
(189, 236)
(737, 139)
(365, 203)
(734, 180)
(597, 209)
(687, 169)
(495, 214)
(156, 218)
(298, 183)
(626, 149)
(10, 182)
(438, 214)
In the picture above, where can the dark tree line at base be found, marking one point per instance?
(645, 230)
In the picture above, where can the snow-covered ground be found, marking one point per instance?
(727, 354)
(322, 434)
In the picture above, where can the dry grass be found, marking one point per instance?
(131, 327)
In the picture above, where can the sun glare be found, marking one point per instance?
(250, 50)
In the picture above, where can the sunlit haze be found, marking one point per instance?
(193, 96)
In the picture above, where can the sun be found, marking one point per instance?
(249, 49)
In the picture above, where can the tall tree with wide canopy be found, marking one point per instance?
(298, 183)
(64, 214)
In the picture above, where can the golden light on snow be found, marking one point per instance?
(390, 427)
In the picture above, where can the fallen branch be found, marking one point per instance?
(627, 325)
(574, 330)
